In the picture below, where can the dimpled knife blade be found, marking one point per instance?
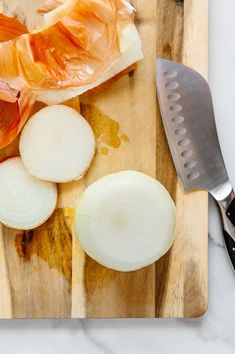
(188, 117)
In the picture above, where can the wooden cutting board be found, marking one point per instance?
(44, 273)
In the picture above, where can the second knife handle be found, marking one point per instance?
(230, 247)
(227, 208)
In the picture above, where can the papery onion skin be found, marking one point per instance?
(45, 71)
(49, 6)
(131, 52)
(8, 94)
(13, 116)
(10, 28)
(68, 54)
(54, 16)
(15, 105)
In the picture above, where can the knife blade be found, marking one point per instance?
(188, 118)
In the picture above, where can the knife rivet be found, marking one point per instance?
(170, 74)
(176, 108)
(180, 131)
(178, 119)
(184, 142)
(172, 85)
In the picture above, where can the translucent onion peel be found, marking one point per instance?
(57, 11)
(65, 59)
(125, 221)
(49, 6)
(10, 28)
(131, 52)
(15, 105)
(25, 201)
(15, 108)
(57, 144)
(73, 52)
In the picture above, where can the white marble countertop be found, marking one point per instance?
(211, 334)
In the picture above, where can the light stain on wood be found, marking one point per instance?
(104, 151)
(52, 242)
(125, 138)
(38, 265)
(105, 128)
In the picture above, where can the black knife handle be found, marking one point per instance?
(229, 242)
(230, 247)
(227, 208)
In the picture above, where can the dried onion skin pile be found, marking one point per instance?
(83, 44)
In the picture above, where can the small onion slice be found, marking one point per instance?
(57, 144)
(125, 221)
(25, 201)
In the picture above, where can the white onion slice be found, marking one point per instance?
(25, 201)
(57, 144)
(125, 221)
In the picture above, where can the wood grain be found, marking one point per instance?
(109, 293)
(38, 269)
(181, 284)
(44, 273)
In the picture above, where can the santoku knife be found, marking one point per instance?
(188, 118)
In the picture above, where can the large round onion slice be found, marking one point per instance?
(25, 201)
(57, 144)
(125, 221)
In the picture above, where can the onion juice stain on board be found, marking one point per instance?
(106, 129)
(104, 151)
(52, 242)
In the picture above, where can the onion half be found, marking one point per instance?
(72, 52)
(130, 53)
(57, 144)
(25, 201)
(125, 221)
